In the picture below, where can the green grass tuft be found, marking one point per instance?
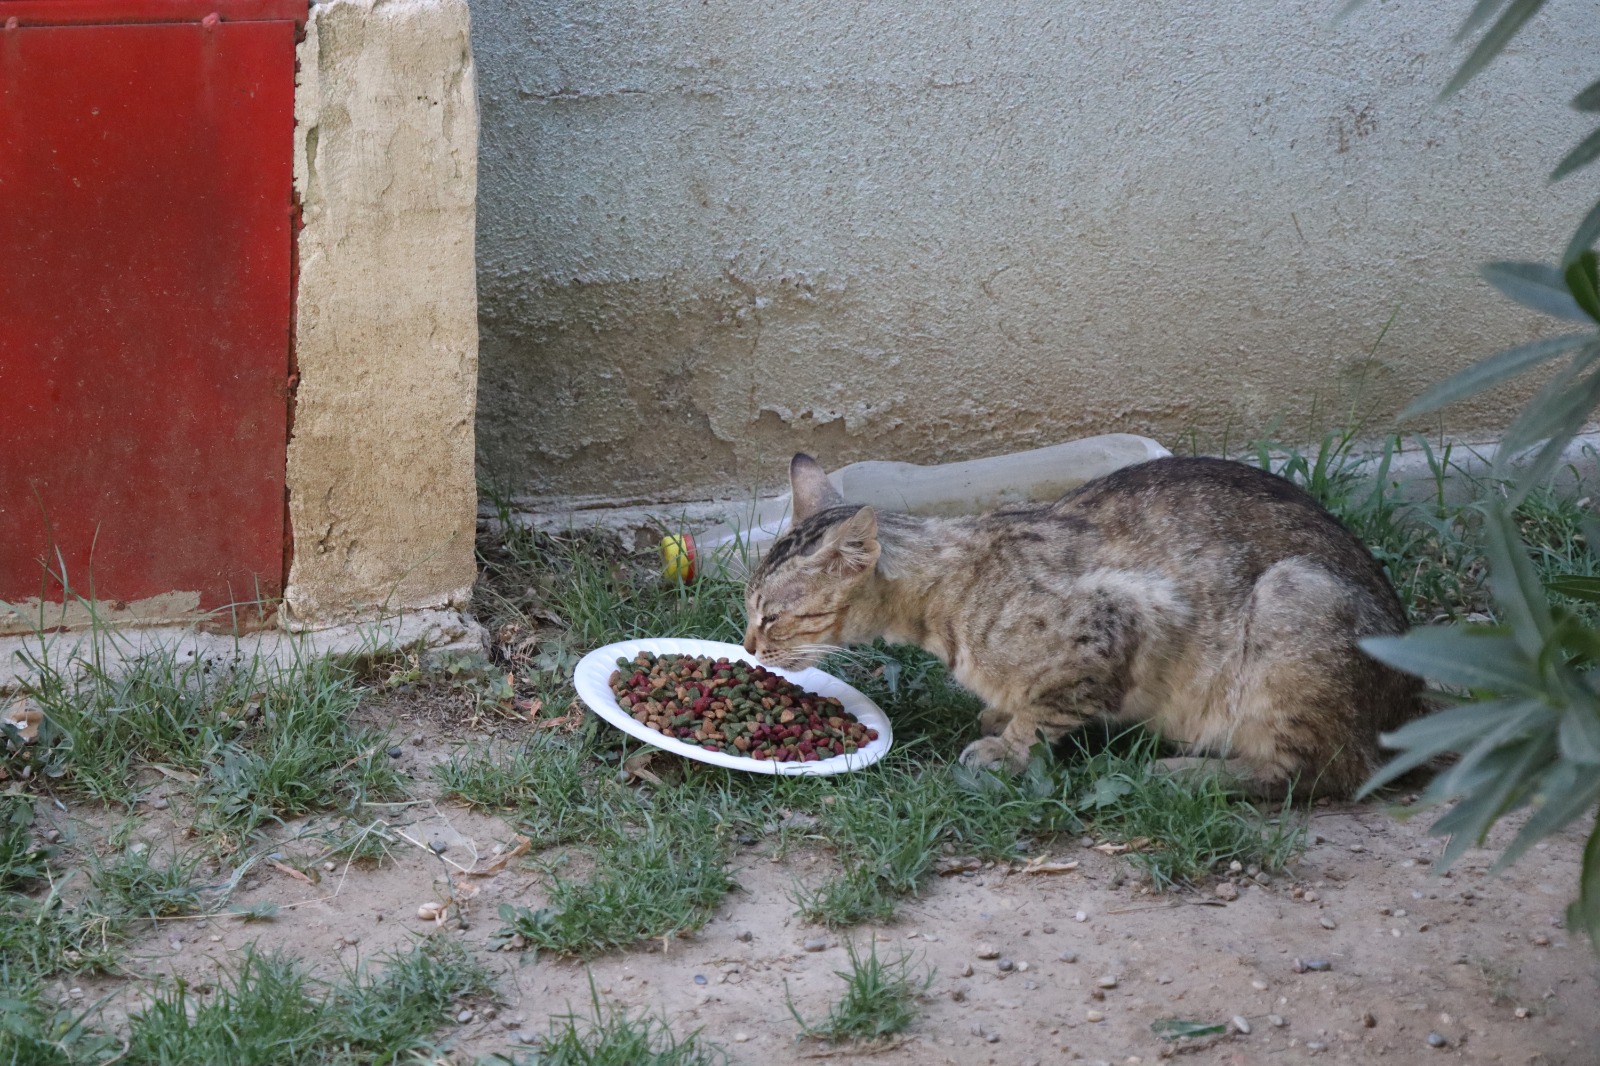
(269, 1012)
(135, 885)
(608, 1036)
(879, 998)
(664, 878)
(261, 744)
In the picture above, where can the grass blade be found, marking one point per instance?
(1586, 589)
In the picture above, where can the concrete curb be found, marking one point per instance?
(438, 630)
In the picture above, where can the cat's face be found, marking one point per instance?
(797, 603)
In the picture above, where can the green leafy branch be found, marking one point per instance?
(1527, 732)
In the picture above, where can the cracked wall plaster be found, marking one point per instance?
(713, 233)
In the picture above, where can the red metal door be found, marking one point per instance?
(146, 250)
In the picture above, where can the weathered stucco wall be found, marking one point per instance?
(382, 493)
(711, 233)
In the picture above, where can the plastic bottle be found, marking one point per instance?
(971, 487)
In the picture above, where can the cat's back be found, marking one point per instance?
(1213, 520)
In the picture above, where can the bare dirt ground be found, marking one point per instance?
(1482, 961)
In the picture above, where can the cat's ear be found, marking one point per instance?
(850, 547)
(811, 489)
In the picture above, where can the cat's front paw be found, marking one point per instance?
(992, 753)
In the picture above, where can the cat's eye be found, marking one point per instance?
(768, 619)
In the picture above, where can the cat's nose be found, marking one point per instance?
(750, 645)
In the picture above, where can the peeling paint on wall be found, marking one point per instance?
(711, 234)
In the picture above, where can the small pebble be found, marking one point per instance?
(991, 1037)
(510, 1023)
(1435, 1040)
(75, 993)
(1095, 1016)
(699, 978)
(1315, 1046)
(1235, 866)
(1522, 1012)
(160, 803)
(744, 936)
(465, 1016)
(1276, 1021)
(438, 846)
(1030, 985)
(1541, 940)
(1369, 1020)
(1081, 916)
(430, 911)
(1227, 890)
(1005, 966)
(1327, 923)
(988, 951)
(1357, 847)
(1240, 1024)
(1310, 897)
(816, 943)
(1048, 929)
(740, 1038)
(417, 739)
(1067, 956)
(1022, 967)
(1259, 985)
(395, 753)
(1105, 982)
(330, 866)
(966, 969)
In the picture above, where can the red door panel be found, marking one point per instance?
(145, 287)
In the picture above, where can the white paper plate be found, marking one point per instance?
(593, 680)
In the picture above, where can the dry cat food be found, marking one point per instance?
(735, 708)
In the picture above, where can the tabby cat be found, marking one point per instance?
(1214, 602)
